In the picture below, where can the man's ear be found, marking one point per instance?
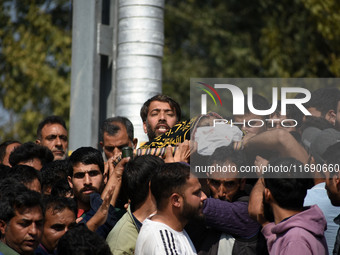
(268, 197)
(144, 127)
(176, 200)
(38, 141)
(135, 142)
(336, 181)
(101, 144)
(3, 226)
(331, 117)
(69, 179)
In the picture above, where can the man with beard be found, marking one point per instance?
(227, 229)
(52, 133)
(159, 114)
(179, 198)
(85, 177)
(295, 229)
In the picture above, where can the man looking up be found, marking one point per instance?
(52, 133)
(159, 114)
(179, 198)
(116, 133)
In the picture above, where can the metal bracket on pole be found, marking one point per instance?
(105, 41)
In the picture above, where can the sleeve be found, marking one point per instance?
(230, 218)
(270, 237)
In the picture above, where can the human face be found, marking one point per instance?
(23, 232)
(257, 126)
(86, 179)
(55, 226)
(113, 144)
(225, 185)
(160, 119)
(193, 198)
(9, 150)
(54, 137)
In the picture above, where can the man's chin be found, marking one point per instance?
(59, 156)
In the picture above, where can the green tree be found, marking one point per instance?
(35, 57)
(261, 38)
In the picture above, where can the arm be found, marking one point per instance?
(230, 218)
(278, 140)
(255, 206)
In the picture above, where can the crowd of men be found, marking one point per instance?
(98, 202)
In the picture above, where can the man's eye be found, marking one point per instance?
(64, 138)
(93, 173)
(79, 175)
(58, 227)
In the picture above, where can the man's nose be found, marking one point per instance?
(58, 141)
(87, 179)
(222, 191)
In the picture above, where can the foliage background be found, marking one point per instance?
(203, 38)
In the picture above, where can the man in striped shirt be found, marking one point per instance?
(179, 198)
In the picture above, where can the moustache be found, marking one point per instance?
(89, 189)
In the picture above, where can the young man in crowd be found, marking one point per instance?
(136, 181)
(52, 133)
(179, 198)
(85, 177)
(289, 228)
(159, 114)
(59, 214)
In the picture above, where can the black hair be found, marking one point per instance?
(3, 147)
(169, 179)
(137, 176)
(25, 174)
(317, 122)
(4, 170)
(324, 100)
(59, 204)
(162, 98)
(52, 172)
(86, 156)
(224, 153)
(79, 240)
(288, 192)
(61, 188)
(29, 151)
(109, 127)
(12, 200)
(50, 120)
(332, 157)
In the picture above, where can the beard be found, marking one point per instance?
(191, 212)
(267, 211)
(85, 198)
(150, 132)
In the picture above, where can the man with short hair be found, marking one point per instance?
(179, 198)
(21, 221)
(136, 181)
(31, 154)
(116, 133)
(288, 227)
(28, 176)
(60, 213)
(86, 178)
(159, 114)
(52, 133)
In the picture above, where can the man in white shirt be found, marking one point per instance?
(179, 198)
